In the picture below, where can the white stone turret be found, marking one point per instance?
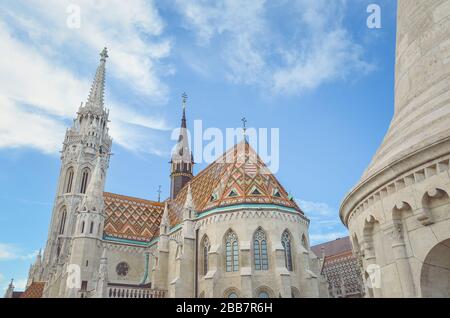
(398, 211)
(10, 291)
(36, 270)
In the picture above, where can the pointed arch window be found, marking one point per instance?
(232, 252)
(260, 250)
(69, 181)
(91, 229)
(84, 180)
(82, 227)
(287, 245)
(62, 224)
(205, 250)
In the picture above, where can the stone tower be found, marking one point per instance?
(84, 162)
(399, 212)
(182, 162)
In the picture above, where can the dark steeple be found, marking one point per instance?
(182, 160)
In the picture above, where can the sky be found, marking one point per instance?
(311, 68)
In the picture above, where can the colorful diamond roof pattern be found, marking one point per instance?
(131, 218)
(237, 177)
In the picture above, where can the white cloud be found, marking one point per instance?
(316, 208)
(9, 252)
(317, 49)
(40, 84)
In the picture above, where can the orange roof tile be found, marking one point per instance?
(35, 290)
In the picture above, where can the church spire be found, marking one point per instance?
(96, 95)
(182, 160)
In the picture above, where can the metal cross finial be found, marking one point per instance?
(184, 99)
(244, 124)
(104, 54)
(159, 193)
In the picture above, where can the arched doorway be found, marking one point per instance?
(435, 275)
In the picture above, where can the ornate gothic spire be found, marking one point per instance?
(96, 95)
(182, 160)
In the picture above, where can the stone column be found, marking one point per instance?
(246, 270)
(214, 258)
(395, 231)
(370, 259)
(282, 274)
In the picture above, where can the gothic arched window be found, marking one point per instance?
(263, 294)
(91, 229)
(287, 245)
(82, 227)
(62, 224)
(205, 250)
(69, 181)
(84, 180)
(232, 252)
(260, 250)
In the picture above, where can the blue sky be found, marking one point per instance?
(311, 68)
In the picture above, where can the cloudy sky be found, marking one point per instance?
(311, 68)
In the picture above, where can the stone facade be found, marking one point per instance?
(230, 231)
(399, 213)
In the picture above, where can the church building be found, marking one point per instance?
(229, 231)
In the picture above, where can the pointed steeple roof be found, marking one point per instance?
(182, 151)
(165, 216)
(189, 203)
(96, 95)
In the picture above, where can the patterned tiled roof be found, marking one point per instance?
(337, 246)
(341, 268)
(237, 177)
(35, 290)
(131, 218)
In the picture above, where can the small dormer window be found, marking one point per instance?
(276, 193)
(256, 192)
(233, 193)
(213, 197)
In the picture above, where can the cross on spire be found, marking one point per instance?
(184, 100)
(244, 125)
(159, 193)
(104, 54)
